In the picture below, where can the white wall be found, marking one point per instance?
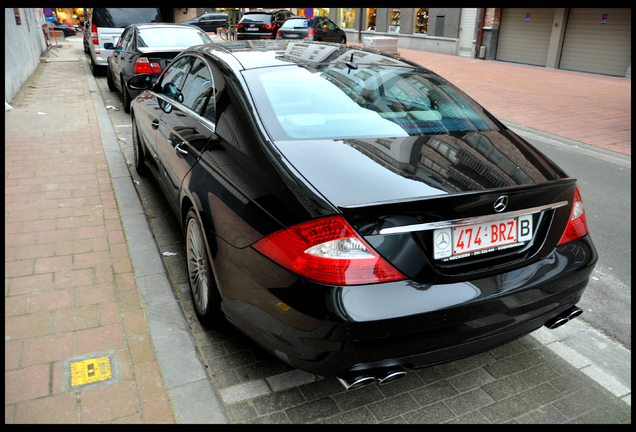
(23, 46)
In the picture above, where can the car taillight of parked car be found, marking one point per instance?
(577, 225)
(327, 250)
(94, 34)
(143, 65)
(312, 32)
(240, 27)
(269, 26)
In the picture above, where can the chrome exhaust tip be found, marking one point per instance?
(352, 381)
(574, 312)
(391, 376)
(563, 318)
(556, 322)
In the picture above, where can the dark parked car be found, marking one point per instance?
(318, 28)
(68, 30)
(353, 212)
(147, 48)
(261, 23)
(208, 22)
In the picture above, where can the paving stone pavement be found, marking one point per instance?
(74, 286)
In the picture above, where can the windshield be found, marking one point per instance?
(333, 101)
(171, 37)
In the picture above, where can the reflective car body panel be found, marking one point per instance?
(396, 191)
(208, 22)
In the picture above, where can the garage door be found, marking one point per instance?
(524, 35)
(598, 41)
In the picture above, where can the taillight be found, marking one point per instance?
(240, 27)
(94, 34)
(278, 33)
(312, 32)
(269, 26)
(577, 225)
(329, 251)
(143, 65)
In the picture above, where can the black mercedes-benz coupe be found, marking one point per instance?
(353, 212)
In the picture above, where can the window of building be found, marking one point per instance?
(347, 18)
(394, 20)
(420, 23)
(371, 16)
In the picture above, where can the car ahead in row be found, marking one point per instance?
(68, 30)
(261, 23)
(208, 22)
(147, 48)
(105, 25)
(318, 28)
(355, 213)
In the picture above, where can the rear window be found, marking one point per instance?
(296, 23)
(332, 101)
(171, 37)
(257, 17)
(123, 17)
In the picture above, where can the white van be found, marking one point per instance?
(107, 25)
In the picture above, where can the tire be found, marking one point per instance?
(343, 40)
(109, 80)
(125, 96)
(200, 276)
(138, 153)
(96, 70)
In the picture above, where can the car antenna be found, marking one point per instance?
(351, 64)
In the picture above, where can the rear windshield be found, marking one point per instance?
(123, 17)
(333, 101)
(257, 17)
(171, 37)
(296, 23)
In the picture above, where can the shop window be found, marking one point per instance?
(394, 20)
(371, 16)
(347, 18)
(421, 21)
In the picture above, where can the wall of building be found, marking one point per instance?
(23, 45)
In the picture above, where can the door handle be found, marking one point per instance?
(181, 152)
(155, 123)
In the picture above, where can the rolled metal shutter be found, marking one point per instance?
(592, 46)
(524, 35)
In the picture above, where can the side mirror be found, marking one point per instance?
(140, 82)
(109, 45)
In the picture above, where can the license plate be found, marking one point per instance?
(468, 240)
(252, 29)
(292, 35)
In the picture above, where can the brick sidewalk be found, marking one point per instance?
(69, 286)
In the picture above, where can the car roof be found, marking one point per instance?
(251, 54)
(154, 25)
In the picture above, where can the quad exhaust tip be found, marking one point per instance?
(352, 380)
(563, 317)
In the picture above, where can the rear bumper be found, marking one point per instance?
(328, 330)
(252, 36)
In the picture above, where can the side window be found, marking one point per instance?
(329, 24)
(197, 87)
(173, 77)
(122, 43)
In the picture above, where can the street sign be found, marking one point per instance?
(309, 12)
(48, 12)
(49, 18)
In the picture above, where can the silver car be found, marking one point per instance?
(106, 26)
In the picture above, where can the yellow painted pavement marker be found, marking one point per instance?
(89, 371)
